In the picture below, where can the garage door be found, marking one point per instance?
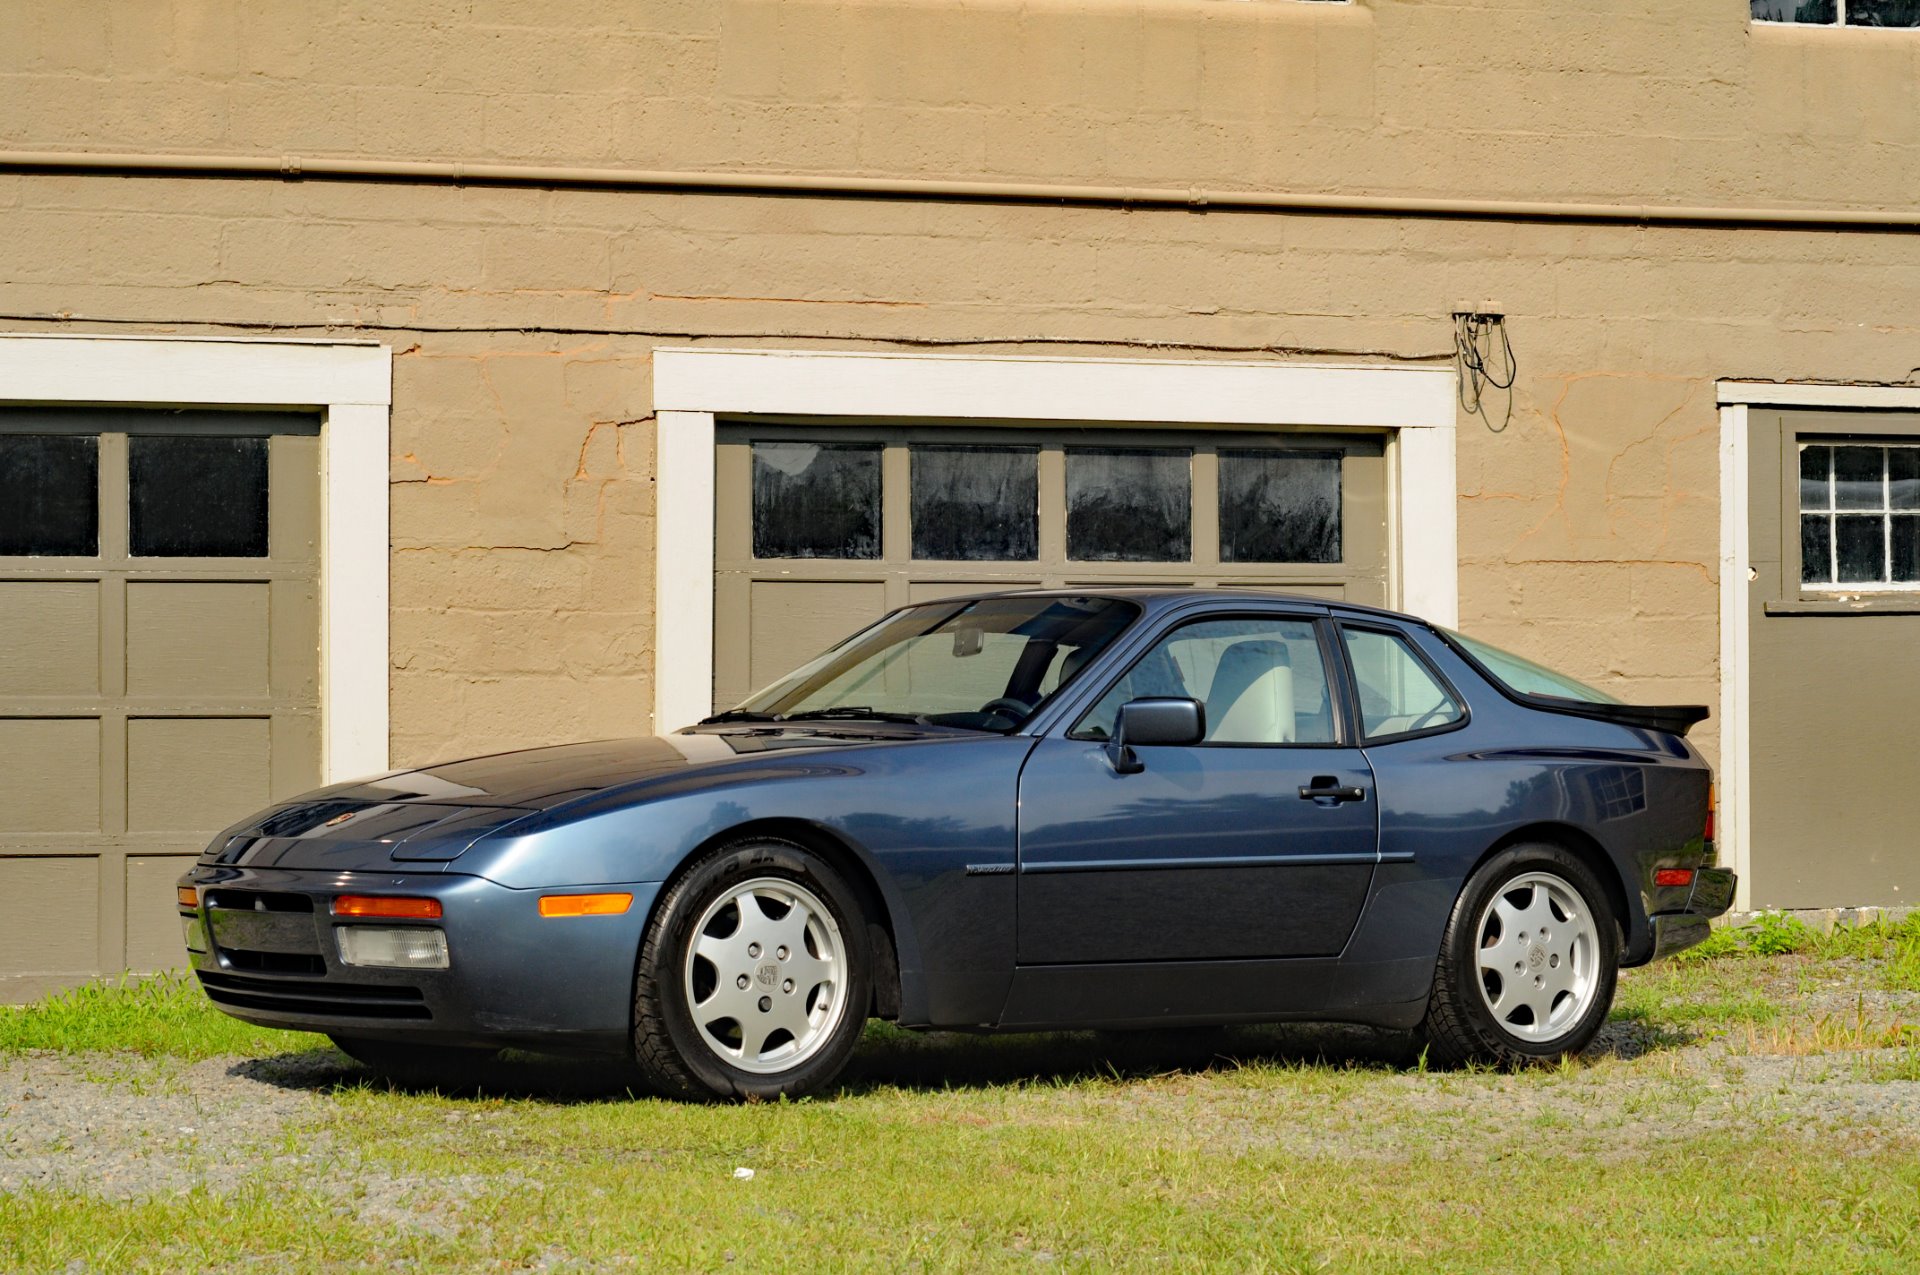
(820, 530)
(1834, 640)
(158, 666)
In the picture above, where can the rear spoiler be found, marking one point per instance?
(1674, 719)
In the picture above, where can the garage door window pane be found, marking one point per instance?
(1127, 504)
(1906, 550)
(816, 500)
(1856, 477)
(49, 495)
(976, 504)
(1816, 548)
(196, 496)
(1279, 506)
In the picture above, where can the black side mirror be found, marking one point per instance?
(1161, 720)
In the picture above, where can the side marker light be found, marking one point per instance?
(585, 904)
(188, 895)
(377, 905)
(1673, 876)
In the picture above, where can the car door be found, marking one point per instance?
(1259, 841)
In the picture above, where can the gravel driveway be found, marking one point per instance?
(1789, 1050)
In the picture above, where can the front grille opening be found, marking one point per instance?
(329, 1000)
(275, 962)
(258, 901)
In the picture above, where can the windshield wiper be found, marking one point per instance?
(851, 712)
(738, 715)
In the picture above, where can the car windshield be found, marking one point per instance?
(1524, 677)
(985, 664)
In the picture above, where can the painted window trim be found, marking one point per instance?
(1735, 820)
(1412, 402)
(350, 383)
(1839, 23)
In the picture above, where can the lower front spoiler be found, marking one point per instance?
(515, 978)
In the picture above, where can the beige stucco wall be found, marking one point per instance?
(522, 319)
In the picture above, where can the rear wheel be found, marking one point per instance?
(449, 1065)
(1527, 963)
(754, 977)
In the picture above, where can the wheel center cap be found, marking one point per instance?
(1536, 957)
(767, 973)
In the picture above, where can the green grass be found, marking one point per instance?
(165, 1014)
(1294, 1151)
(1001, 1179)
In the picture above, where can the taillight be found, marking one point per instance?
(1673, 876)
(1707, 835)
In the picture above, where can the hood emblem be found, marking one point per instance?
(339, 819)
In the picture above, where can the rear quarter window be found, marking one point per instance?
(1523, 676)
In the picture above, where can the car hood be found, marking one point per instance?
(434, 813)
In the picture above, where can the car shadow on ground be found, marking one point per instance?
(890, 1058)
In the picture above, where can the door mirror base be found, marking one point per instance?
(1165, 720)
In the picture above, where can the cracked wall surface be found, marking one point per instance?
(523, 320)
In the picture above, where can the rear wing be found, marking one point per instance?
(1674, 719)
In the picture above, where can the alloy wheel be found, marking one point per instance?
(765, 975)
(1538, 954)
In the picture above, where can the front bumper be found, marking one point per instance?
(268, 954)
(1712, 895)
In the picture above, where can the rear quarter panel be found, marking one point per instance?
(1446, 801)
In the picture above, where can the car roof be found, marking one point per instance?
(1158, 598)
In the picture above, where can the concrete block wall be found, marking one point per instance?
(523, 320)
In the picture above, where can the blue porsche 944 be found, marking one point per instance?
(1015, 812)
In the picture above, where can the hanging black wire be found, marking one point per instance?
(1485, 355)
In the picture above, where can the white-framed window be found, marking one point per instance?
(1860, 516)
(1838, 13)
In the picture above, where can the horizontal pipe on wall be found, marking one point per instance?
(293, 168)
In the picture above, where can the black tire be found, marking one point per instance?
(448, 1066)
(1461, 1025)
(672, 1050)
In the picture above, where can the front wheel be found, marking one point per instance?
(1527, 963)
(754, 976)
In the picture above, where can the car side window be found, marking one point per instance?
(1262, 681)
(1396, 690)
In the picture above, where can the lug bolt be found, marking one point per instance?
(766, 1003)
(1553, 961)
(781, 952)
(753, 949)
(745, 982)
(787, 986)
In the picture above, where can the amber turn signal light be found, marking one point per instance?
(387, 908)
(1673, 876)
(188, 895)
(584, 904)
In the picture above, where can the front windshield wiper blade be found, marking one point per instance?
(738, 715)
(851, 712)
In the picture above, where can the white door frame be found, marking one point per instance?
(1735, 817)
(1413, 401)
(351, 384)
